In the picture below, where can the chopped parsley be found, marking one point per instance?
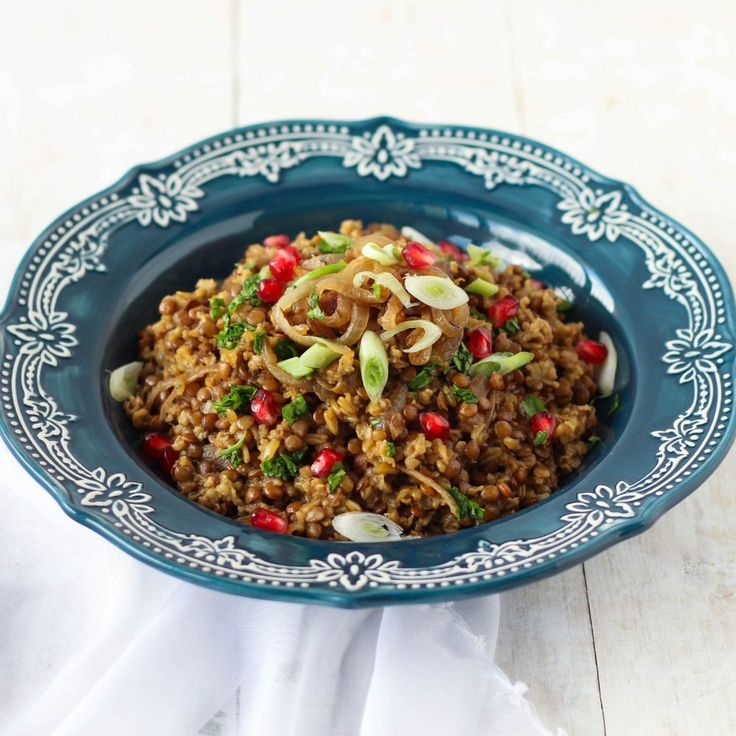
(463, 394)
(237, 398)
(248, 293)
(479, 315)
(333, 242)
(216, 307)
(315, 310)
(229, 336)
(258, 341)
(296, 408)
(564, 305)
(532, 405)
(462, 359)
(540, 438)
(423, 378)
(466, 508)
(232, 453)
(335, 477)
(511, 326)
(285, 349)
(285, 465)
(615, 405)
(390, 449)
(593, 440)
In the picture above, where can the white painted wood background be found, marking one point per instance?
(641, 639)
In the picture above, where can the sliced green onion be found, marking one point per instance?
(607, 369)
(295, 367)
(373, 364)
(411, 234)
(432, 333)
(483, 257)
(124, 379)
(333, 242)
(502, 363)
(319, 273)
(264, 273)
(386, 256)
(389, 281)
(318, 356)
(481, 287)
(436, 291)
(361, 526)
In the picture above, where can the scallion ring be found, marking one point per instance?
(373, 360)
(362, 526)
(123, 380)
(436, 291)
(502, 363)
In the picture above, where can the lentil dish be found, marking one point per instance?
(365, 371)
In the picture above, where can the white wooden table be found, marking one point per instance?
(639, 640)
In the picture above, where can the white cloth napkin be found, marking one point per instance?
(93, 642)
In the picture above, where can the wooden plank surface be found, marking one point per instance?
(645, 93)
(641, 91)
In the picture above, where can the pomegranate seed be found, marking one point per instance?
(592, 351)
(270, 290)
(168, 458)
(543, 421)
(154, 444)
(502, 310)
(480, 342)
(434, 425)
(268, 521)
(282, 265)
(276, 241)
(452, 250)
(417, 256)
(263, 408)
(324, 461)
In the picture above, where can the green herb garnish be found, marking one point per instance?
(511, 326)
(390, 449)
(248, 293)
(258, 341)
(615, 404)
(315, 310)
(593, 440)
(230, 335)
(335, 477)
(540, 438)
(285, 465)
(479, 315)
(296, 408)
(466, 508)
(232, 453)
(423, 378)
(565, 305)
(333, 242)
(237, 398)
(463, 394)
(216, 307)
(462, 359)
(285, 349)
(532, 405)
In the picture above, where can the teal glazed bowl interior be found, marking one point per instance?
(96, 275)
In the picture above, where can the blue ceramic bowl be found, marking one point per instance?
(95, 276)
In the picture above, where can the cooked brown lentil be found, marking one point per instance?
(488, 455)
